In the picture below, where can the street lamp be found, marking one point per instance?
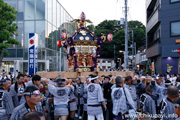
(119, 61)
(121, 51)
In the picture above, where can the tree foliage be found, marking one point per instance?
(109, 26)
(7, 27)
(91, 27)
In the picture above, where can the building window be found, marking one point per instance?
(29, 10)
(109, 61)
(157, 34)
(103, 61)
(12, 52)
(19, 52)
(172, 1)
(175, 28)
(20, 16)
(40, 9)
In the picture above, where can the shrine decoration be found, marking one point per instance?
(59, 43)
(83, 47)
(109, 37)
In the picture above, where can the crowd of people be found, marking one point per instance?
(24, 97)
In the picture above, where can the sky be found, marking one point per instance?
(100, 10)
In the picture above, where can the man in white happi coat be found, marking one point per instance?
(95, 100)
(122, 100)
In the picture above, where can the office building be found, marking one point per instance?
(163, 35)
(47, 18)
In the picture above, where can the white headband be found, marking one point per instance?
(36, 92)
(90, 79)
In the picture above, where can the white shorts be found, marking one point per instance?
(73, 106)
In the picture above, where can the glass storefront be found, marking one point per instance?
(47, 18)
(8, 67)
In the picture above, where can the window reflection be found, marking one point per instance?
(20, 16)
(175, 28)
(19, 52)
(20, 6)
(40, 30)
(54, 12)
(49, 36)
(49, 11)
(13, 3)
(29, 28)
(20, 31)
(58, 15)
(29, 9)
(40, 9)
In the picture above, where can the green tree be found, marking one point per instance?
(109, 26)
(91, 27)
(7, 28)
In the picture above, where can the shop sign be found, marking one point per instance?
(176, 51)
(170, 65)
(33, 53)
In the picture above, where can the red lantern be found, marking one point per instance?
(59, 43)
(64, 35)
(109, 37)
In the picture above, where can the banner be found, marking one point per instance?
(170, 65)
(152, 66)
(33, 53)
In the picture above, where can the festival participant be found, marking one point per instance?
(159, 81)
(61, 98)
(122, 100)
(36, 80)
(8, 85)
(9, 76)
(141, 86)
(147, 104)
(177, 108)
(31, 94)
(132, 88)
(25, 79)
(107, 96)
(72, 102)
(26, 72)
(79, 88)
(33, 116)
(173, 79)
(3, 76)
(6, 103)
(94, 100)
(28, 78)
(166, 106)
(87, 82)
(17, 89)
(167, 76)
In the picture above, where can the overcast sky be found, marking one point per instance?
(99, 10)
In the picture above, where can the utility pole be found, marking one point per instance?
(114, 55)
(60, 58)
(132, 43)
(126, 38)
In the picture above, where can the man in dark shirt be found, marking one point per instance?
(107, 96)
